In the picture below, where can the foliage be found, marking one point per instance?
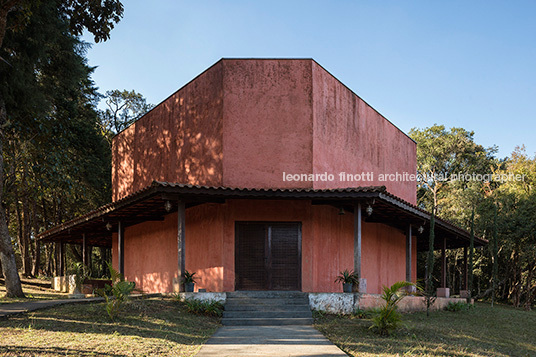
(505, 270)
(188, 277)
(209, 307)
(458, 306)
(116, 294)
(80, 275)
(361, 313)
(49, 146)
(123, 108)
(347, 277)
(387, 318)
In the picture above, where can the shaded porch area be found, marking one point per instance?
(178, 227)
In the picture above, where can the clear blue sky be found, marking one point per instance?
(469, 64)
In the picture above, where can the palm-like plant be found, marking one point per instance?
(347, 277)
(387, 318)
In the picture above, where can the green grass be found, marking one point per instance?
(32, 293)
(482, 331)
(151, 327)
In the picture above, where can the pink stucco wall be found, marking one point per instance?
(180, 140)
(351, 137)
(243, 123)
(327, 246)
(267, 120)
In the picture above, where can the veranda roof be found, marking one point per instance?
(148, 204)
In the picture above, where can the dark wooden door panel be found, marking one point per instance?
(285, 257)
(268, 256)
(251, 273)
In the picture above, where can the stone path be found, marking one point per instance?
(289, 340)
(21, 307)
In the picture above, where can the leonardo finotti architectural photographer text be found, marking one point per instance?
(398, 177)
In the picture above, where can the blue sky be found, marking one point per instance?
(469, 64)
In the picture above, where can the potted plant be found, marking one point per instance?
(189, 281)
(80, 275)
(348, 279)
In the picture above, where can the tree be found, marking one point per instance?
(442, 154)
(124, 108)
(99, 18)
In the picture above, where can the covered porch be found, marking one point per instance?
(354, 214)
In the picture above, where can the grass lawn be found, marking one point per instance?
(32, 293)
(482, 331)
(150, 327)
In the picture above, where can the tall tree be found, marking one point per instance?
(96, 16)
(123, 108)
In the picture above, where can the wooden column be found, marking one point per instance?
(84, 250)
(465, 271)
(444, 263)
(409, 253)
(61, 259)
(121, 248)
(181, 211)
(357, 239)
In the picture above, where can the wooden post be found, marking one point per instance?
(84, 250)
(181, 242)
(59, 245)
(409, 252)
(121, 248)
(444, 263)
(357, 239)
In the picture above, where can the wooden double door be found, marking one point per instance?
(268, 256)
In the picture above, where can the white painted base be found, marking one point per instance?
(344, 303)
(206, 296)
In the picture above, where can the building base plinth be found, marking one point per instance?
(443, 292)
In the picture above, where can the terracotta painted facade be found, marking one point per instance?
(327, 246)
(243, 123)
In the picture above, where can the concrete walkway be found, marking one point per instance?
(268, 341)
(21, 307)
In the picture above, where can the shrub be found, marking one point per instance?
(347, 277)
(362, 314)
(458, 306)
(386, 319)
(80, 275)
(117, 293)
(209, 307)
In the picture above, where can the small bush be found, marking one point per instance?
(458, 306)
(210, 307)
(318, 314)
(387, 319)
(361, 314)
(117, 293)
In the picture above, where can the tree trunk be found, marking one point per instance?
(7, 256)
(27, 227)
(528, 302)
(37, 252)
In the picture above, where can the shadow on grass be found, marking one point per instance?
(154, 318)
(38, 351)
(482, 331)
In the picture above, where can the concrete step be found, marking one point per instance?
(267, 314)
(267, 294)
(266, 321)
(266, 302)
(258, 307)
